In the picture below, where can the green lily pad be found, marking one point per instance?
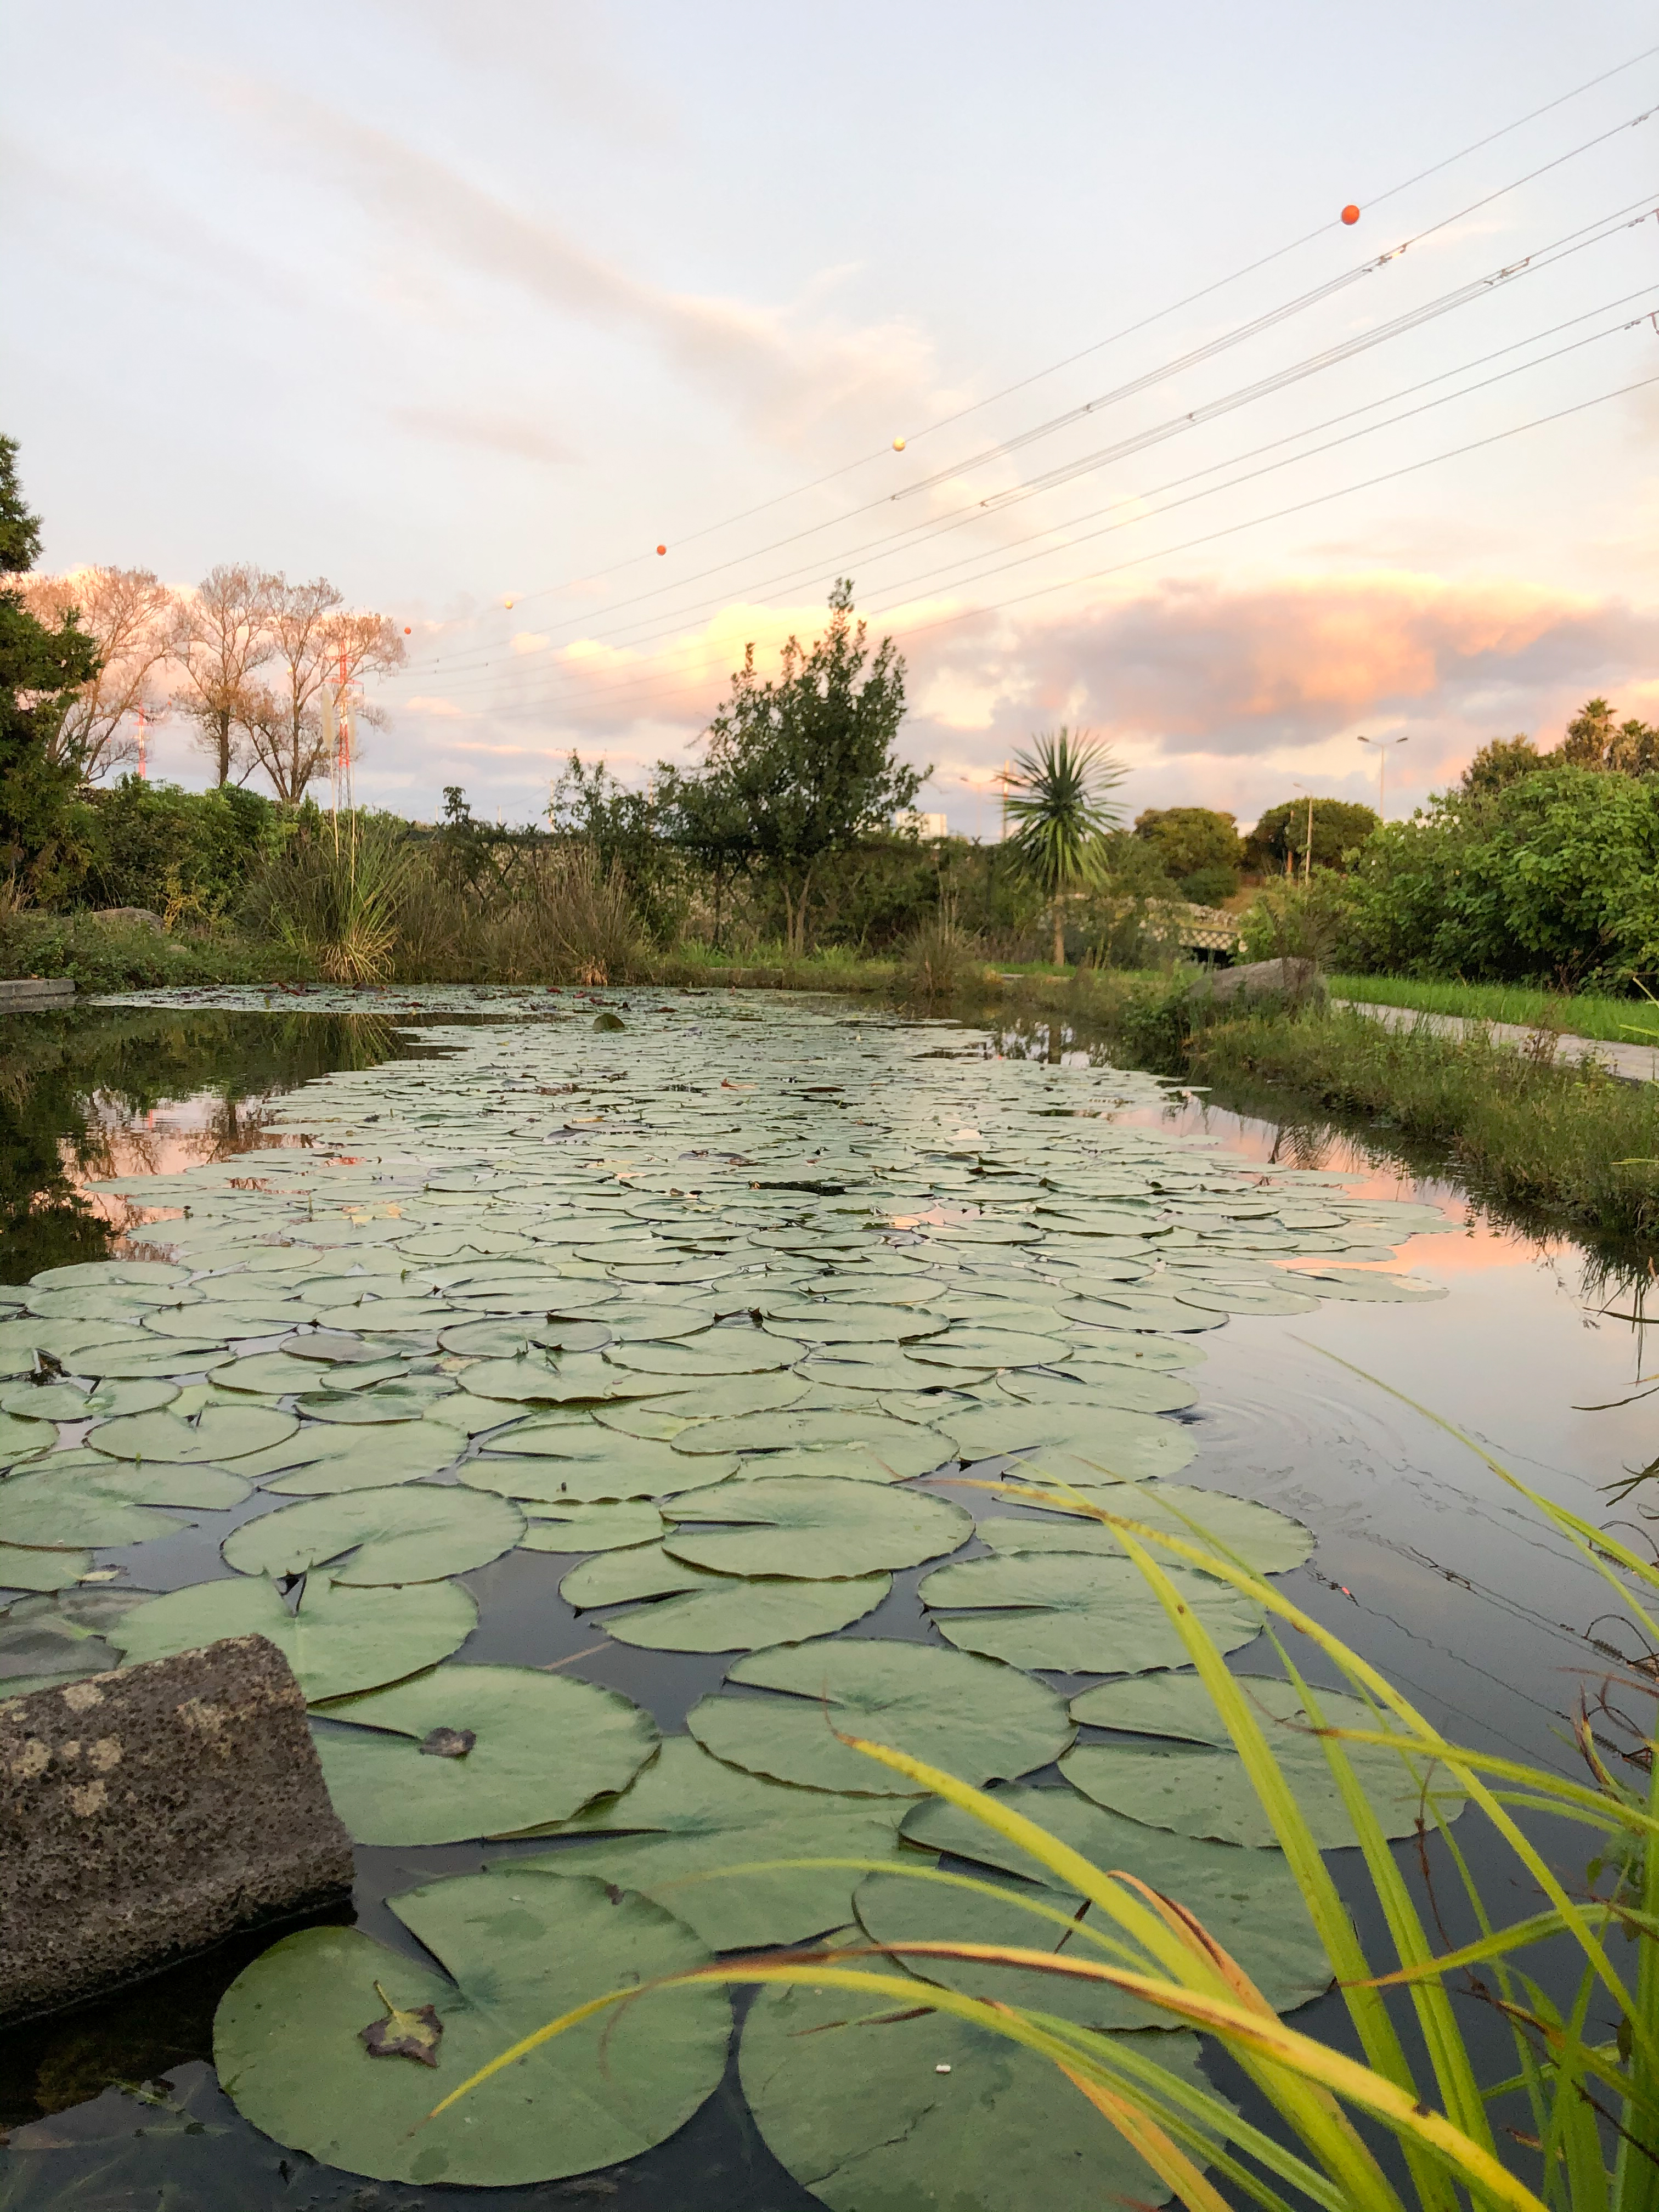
(544, 1745)
(907, 1452)
(1247, 1900)
(973, 1717)
(846, 1322)
(593, 1466)
(690, 1608)
(22, 1440)
(94, 1274)
(1120, 1446)
(29, 1567)
(811, 1529)
(62, 1401)
(966, 1345)
(1268, 1543)
(145, 1358)
(218, 1432)
(793, 1430)
(269, 1374)
(840, 1367)
(373, 1316)
(1078, 1614)
(687, 1816)
(511, 1953)
(523, 1379)
(1136, 1309)
(412, 1532)
(716, 1351)
(1197, 1785)
(1366, 1287)
(76, 1500)
(876, 2109)
(613, 1525)
(1245, 1297)
(1124, 1389)
(338, 1641)
(324, 1458)
(384, 1401)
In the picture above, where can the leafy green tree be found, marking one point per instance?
(1062, 815)
(1201, 849)
(1497, 764)
(801, 766)
(41, 672)
(622, 826)
(1339, 827)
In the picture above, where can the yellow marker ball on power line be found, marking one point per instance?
(898, 444)
(507, 603)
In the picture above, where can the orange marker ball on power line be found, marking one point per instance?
(1350, 214)
(407, 631)
(662, 549)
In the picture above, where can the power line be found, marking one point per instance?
(649, 679)
(1544, 257)
(1191, 299)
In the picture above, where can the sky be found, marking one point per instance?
(472, 310)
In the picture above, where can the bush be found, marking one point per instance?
(1198, 848)
(1553, 878)
(187, 855)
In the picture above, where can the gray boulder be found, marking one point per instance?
(148, 1813)
(134, 917)
(1294, 982)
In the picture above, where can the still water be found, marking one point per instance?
(1426, 1561)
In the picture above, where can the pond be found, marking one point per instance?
(610, 1367)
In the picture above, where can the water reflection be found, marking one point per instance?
(120, 1091)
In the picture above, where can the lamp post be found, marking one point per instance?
(1383, 744)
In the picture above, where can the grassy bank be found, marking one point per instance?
(1619, 1021)
(101, 955)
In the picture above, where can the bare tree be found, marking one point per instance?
(220, 638)
(131, 614)
(318, 644)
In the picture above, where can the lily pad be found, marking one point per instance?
(715, 1351)
(1077, 1614)
(75, 1500)
(1196, 1784)
(1247, 1900)
(324, 1459)
(966, 1345)
(972, 1717)
(1120, 1446)
(338, 1641)
(414, 1532)
(64, 1401)
(793, 1430)
(22, 1441)
(690, 1608)
(543, 1747)
(406, 1400)
(1124, 1389)
(844, 1321)
(688, 1815)
(28, 1568)
(218, 1432)
(593, 1467)
(875, 2108)
(613, 1525)
(812, 1528)
(1364, 1287)
(1268, 1543)
(907, 1452)
(511, 1953)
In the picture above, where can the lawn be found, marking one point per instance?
(1619, 1021)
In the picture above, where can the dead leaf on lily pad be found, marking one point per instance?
(414, 2034)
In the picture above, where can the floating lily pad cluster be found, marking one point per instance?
(708, 1312)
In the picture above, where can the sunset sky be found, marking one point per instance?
(458, 306)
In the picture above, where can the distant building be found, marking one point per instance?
(921, 825)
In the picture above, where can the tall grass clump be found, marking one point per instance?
(334, 896)
(1587, 2069)
(584, 914)
(940, 962)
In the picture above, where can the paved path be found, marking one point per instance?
(1633, 1062)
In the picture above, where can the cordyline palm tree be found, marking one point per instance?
(1059, 802)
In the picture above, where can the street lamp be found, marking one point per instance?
(1383, 744)
(1307, 854)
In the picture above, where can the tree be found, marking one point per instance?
(1279, 840)
(42, 671)
(314, 642)
(130, 615)
(219, 639)
(1592, 741)
(804, 763)
(1201, 850)
(1059, 805)
(1499, 762)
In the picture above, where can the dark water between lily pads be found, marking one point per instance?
(1426, 1561)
